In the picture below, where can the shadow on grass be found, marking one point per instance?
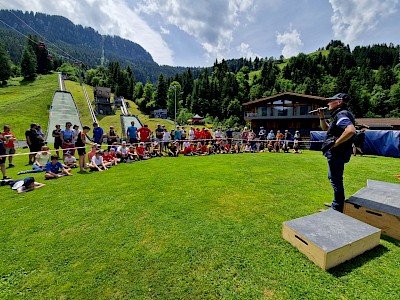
(27, 81)
(347, 267)
(391, 240)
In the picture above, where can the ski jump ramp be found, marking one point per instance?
(63, 109)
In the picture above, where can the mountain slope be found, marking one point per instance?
(64, 38)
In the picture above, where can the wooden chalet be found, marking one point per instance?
(102, 101)
(285, 111)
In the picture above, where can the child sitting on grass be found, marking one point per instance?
(55, 169)
(69, 160)
(97, 163)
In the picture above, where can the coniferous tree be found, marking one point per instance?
(28, 64)
(5, 65)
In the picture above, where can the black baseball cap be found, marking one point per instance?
(340, 96)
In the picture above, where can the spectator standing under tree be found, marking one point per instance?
(9, 138)
(131, 133)
(229, 135)
(270, 136)
(98, 134)
(56, 134)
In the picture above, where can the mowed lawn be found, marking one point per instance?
(23, 103)
(185, 228)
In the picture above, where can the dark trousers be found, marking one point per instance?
(335, 175)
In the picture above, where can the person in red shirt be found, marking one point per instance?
(227, 147)
(188, 151)
(144, 133)
(208, 135)
(203, 135)
(203, 149)
(108, 159)
(140, 150)
(113, 154)
(197, 134)
(9, 138)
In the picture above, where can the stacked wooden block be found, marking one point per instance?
(329, 238)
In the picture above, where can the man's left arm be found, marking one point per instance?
(347, 134)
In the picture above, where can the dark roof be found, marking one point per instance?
(286, 94)
(379, 122)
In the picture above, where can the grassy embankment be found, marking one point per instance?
(23, 103)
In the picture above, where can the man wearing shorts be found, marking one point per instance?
(3, 159)
(9, 138)
(80, 144)
(57, 139)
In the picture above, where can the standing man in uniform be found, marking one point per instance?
(337, 146)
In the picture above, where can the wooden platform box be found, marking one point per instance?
(378, 205)
(329, 238)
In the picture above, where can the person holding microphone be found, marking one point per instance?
(337, 146)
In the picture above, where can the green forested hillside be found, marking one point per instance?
(72, 41)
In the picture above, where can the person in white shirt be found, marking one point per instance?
(166, 140)
(97, 163)
(122, 152)
(69, 160)
(41, 159)
(191, 133)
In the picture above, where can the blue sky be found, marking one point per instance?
(197, 32)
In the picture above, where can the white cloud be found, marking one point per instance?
(164, 30)
(113, 17)
(291, 43)
(351, 18)
(246, 51)
(212, 23)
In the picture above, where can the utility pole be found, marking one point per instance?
(175, 105)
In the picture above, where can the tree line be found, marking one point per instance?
(369, 74)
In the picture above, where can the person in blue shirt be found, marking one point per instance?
(98, 134)
(55, 169)
(131, 133)
(337, 146)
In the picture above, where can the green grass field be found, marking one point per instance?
(185, 228)
(23, 103)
